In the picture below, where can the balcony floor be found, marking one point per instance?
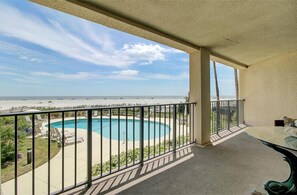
(239, 165)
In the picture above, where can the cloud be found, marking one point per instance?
(185, 59)
(18, 77)
(30, 59)
(144, 52)
(125, 75)
(116, 75)
(21, 52)
(83, 43)
(127, 72)
(182, 76)
(63, 76)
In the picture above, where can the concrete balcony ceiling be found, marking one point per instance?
(240, 32)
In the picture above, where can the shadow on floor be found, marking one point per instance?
(226, 133)
(240, 165)
(131, 176)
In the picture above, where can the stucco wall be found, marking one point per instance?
(270, 90)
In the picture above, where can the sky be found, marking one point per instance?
(44, 52)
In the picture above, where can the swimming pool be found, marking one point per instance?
(151, 129)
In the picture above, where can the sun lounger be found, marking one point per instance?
(69, 138)
(39, 118)
(38, 130)
(27, 118)
(95, 113)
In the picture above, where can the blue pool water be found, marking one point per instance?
(151, 130)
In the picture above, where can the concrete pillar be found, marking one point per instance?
(241, 95)
(200, 93)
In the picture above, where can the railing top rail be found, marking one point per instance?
(92, 108)
(227, 100)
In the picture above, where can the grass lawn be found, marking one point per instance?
(41, 152)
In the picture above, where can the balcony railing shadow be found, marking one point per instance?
(226, 133)
(125, 179)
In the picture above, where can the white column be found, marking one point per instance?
(200, 93)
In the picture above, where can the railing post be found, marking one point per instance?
(15, 156)
(141, 145)
(218, 116)
(89, 149)
(228, 117)
(174, 129)
(237, 112)
(0, 168)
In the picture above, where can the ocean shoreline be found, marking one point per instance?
(22, 105)
(25, 98)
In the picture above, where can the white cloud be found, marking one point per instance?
(146, 53)
(185, 59)
(125, 75)
(30, 59)
(127, 72)
(22, 53)
(63, 76)
(18, 77)
(116, 75)
(93, 47)
(143, 52)
(182, 76)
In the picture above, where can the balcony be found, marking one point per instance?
(258, 39)
(86, 145)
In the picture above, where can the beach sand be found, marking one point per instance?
(8, 104)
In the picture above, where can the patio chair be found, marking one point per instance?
(56, 133)
(28, 119)
(95, 113)
(69, 138)
(37, 127)
(38, 130)
(39, 118)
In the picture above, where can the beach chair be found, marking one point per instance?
(66, 133)
(28, 119)
(38, 130)
(69, 138)
(37, 127)
(39, 118)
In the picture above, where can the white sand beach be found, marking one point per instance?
(66, 103)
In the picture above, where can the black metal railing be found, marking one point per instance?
(78, 146)
(226, 114)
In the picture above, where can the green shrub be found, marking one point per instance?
(7, 134)
(96, 170)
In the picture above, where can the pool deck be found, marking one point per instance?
(41, 173)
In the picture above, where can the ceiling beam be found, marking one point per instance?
(227, 61)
